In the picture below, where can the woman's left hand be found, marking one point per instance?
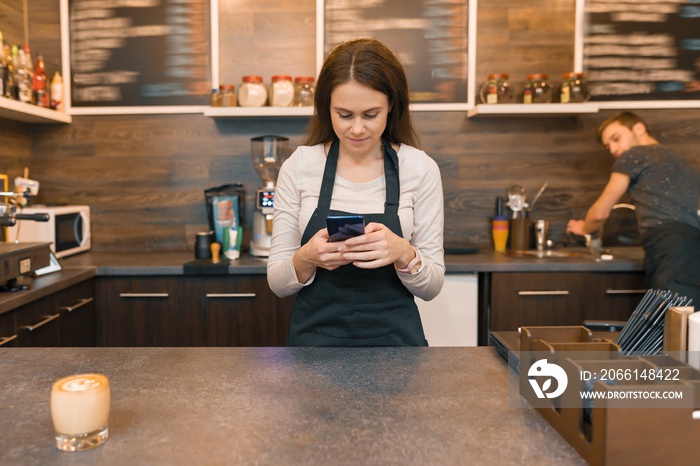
(379, 246)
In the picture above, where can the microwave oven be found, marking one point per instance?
(68, 228)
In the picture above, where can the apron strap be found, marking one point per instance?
(391, 177)
(324, 197)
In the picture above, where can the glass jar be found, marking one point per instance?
(228, 95)
(281, 91)
(496, 90)
(252, 92)
(537, 89)
(215, 98)
(574, 88)
(304, 91)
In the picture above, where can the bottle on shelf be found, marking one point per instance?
(281, 91)
(496, 90)
(3, 65)
(13, 62)
(304, 90)
(24, 77)
(537, 89)
(57, 92)
(41, 94)
(252, 92)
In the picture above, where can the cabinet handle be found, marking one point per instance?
(7, 339)
(625, 291)
(144, 295)
(544, 293)
(230, 295)
(48, 319)
(79, 304)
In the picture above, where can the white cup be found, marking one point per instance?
(79, 411)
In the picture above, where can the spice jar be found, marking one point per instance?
(281, 91)
(228, 95)
(252, 92)
(215, 98)
(304, 91)
(574, 88)
(496, 90)
(537, 90)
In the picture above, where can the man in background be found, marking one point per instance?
(665, 190)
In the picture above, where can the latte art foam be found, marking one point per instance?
(81, 383)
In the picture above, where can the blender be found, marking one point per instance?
(267, 153)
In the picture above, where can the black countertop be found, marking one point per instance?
(282, 406)
(87, 265)
(170, 263)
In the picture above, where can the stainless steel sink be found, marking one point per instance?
(547, 254)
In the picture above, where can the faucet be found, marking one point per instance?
(594, 241)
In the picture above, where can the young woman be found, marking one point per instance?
(359, 158)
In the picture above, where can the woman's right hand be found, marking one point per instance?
(318, 252)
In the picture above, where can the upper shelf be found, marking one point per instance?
(231, 112)
(28, 113)
(530, 109)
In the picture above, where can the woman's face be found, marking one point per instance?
(359, 115)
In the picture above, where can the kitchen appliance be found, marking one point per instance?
(67, 228)
(267, 153)
(21, 259)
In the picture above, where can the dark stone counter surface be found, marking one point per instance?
(170, 263)
(87, 265)
(216, 406)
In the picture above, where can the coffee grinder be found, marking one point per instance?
(267, 153)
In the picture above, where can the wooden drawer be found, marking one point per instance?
(521, 299)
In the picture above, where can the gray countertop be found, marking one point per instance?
(625, 259)
(281, 406)
(87, 265)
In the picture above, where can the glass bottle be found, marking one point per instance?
(537, 89)
(13, 78)
(252, 92)
(304, 90)
(496, 90)
(281, 91)
(3, 66)
(215, 98)
(228, 95)
(57, 92)
(41, 94)
(24, 78)
(574, 88)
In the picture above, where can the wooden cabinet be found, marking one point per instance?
(236, 310)
(65, 318)
(139, 311)
(8, 329)
(77, 323)
(214, 310)
(521, 299)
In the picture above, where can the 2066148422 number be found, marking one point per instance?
(649, 374)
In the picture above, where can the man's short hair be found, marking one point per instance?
(627, 119)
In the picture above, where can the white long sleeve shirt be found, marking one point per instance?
(421, 214)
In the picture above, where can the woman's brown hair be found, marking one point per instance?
(372, 64)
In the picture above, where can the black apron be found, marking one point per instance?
(672, 259)
(349, 306)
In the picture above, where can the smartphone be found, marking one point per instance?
(342, 227)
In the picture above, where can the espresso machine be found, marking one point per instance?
(267, 153)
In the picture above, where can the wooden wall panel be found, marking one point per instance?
(144, 175)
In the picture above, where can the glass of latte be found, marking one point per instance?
(79, 410)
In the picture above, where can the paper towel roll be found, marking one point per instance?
(694, 340)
